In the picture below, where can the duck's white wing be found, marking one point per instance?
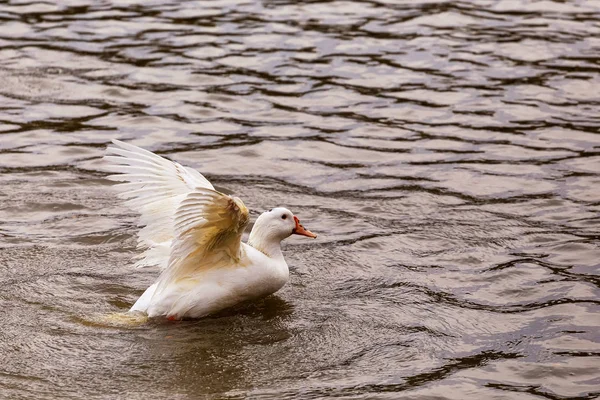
(208, 232)
(154, 187)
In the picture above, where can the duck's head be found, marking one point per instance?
(275, 225)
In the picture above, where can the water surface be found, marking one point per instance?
(447, 153)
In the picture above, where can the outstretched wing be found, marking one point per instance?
(154, 187)
(208, 232)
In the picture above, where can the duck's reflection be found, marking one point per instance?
(220, 353)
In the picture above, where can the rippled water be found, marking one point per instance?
(448, 154)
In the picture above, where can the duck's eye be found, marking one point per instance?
(283, 216)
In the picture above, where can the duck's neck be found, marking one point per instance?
(264, 243)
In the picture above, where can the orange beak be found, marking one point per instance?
(299, 229)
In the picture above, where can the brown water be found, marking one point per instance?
(448, 154)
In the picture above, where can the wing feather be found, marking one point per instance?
(208, 232)
(154, 187)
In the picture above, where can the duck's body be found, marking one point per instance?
(194, 234)
(255, 276)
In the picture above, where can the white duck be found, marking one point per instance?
(193, 232)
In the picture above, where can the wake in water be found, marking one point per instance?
(116, 320)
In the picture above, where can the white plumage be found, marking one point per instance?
(193, 232)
